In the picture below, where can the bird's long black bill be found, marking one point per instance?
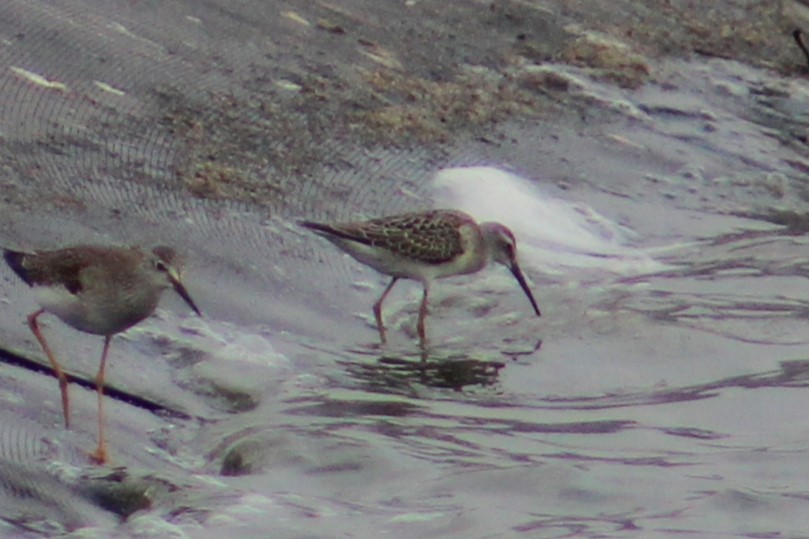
(515, 270)
(180, 289)
(797, 34)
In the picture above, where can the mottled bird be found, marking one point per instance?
(424, 246)
(98, 290)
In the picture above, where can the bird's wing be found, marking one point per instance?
(431, 236)
(65, 267)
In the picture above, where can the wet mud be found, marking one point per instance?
(650, 158)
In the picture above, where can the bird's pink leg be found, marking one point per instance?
(422, 316)
(378, 310)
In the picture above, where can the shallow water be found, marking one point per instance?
(660, 394)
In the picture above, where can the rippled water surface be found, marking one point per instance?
(662, 393)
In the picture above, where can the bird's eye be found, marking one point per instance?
(510, 249)
(161, 266)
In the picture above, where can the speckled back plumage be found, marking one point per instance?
(432, 236)
(424, 246)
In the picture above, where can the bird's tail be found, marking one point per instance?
(14, 259)
(334, 232)
(317, 227)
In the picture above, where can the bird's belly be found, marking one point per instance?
(76, 312)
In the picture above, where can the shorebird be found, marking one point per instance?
(424, 246)
(97, 290)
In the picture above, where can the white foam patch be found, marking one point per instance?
(241, 361)
(553, 235)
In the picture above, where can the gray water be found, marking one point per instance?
(661, 225)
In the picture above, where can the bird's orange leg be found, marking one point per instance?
(32, 323)
(100, 456)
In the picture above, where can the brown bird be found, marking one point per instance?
(97, 290)
(424, 246)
